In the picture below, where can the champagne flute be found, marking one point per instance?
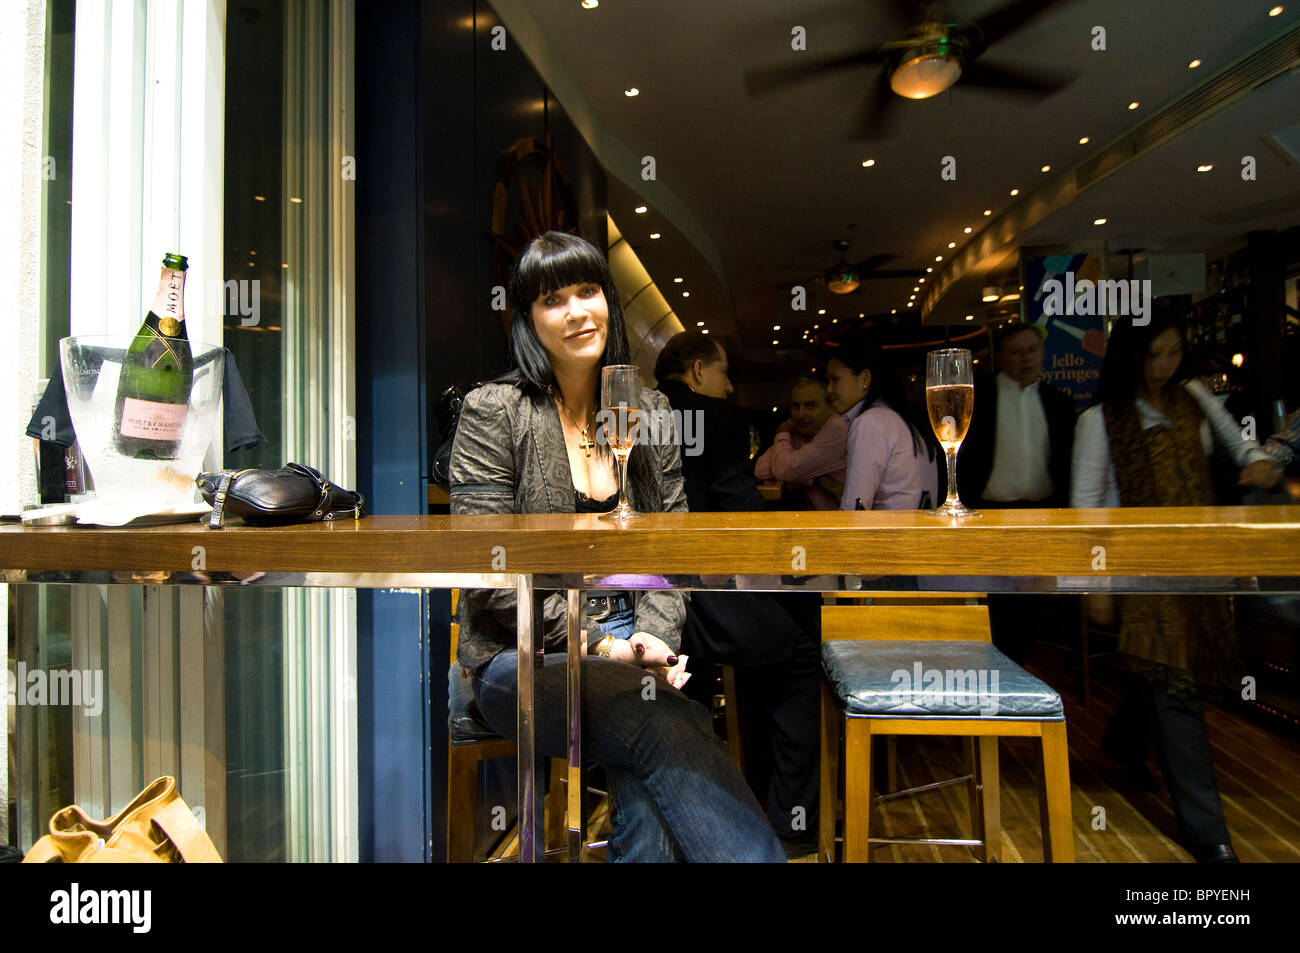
(620, 402)
(950, 400)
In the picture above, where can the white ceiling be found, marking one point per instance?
(773, 181)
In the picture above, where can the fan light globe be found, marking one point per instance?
(842, 282)
(925, 75)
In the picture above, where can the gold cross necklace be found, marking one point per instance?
(584, 441)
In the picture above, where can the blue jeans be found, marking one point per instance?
(677, 796)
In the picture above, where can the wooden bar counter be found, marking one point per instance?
(1166, 541)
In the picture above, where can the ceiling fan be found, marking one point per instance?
(843, 278)
(935, 54)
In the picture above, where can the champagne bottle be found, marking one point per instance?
(153, 391)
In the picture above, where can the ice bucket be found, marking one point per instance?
(92, 368)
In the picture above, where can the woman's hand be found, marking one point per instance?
(651, 652)
(1261, 473)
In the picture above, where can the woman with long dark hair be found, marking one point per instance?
(1146, 442)
(891, 450)
(528, 443)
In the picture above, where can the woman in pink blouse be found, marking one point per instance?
(892, 459)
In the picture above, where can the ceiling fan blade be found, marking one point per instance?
(895, 273)
(876, 117)
(1011, 16)
(1007, 79)
(870, 264)
(761, 82)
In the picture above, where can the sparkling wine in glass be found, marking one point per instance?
(620, 402)
(950, 400)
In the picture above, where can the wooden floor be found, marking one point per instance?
(1258, 771)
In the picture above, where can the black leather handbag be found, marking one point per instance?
(293, 494)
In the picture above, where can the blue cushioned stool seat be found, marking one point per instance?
(909, 679)
(463, 722)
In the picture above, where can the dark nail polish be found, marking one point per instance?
(672, 660)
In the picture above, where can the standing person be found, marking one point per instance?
(772, 640)
(1018, 449)
(1145, 443)
(1017, 454)
(891, 450)
(525, 444)
(810, 445)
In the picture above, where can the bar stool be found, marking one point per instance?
(469, 742)
(881, 664)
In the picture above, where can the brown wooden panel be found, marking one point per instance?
(1171, 541)
(931, 623)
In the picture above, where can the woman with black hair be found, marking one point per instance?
(1146, 442)
(528, 443)
(891, 451)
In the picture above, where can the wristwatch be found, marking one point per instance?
(604, 646)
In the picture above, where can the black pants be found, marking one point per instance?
(774, 642)
(1175, 721)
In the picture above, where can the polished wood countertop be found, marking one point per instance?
(1166, 541)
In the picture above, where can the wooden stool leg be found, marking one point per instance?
(990, 788)
(1054, 796)
(557, 828)
(975, 807)
(857, 789)
(462, 800)
(735, 746)
(830, 760)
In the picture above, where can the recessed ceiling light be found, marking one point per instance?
(677, 281)
(988, 211)
(590, 4)
(775, 341)
(1134, 105)
(654, 234)
(1046, 168)
(1205, 168)
(861, 314)
(821, 310)
(967, 229)
(1275, 11)
(893, 311)
(868, 163)
(699, 324)
(952, 244)
(1015, 191)
(259, 198)
(705, 331)
(1083, 140)
(1099, 221)
(938, 258)
(835, 320)
(633, 91)
(970, 317)
(640, 210)
(929, 268)
(816, 326)
(920, 281)
(295, 200)
(915, 288)
(1193, 64)
(686, 294)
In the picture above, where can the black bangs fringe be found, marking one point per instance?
(555, 260)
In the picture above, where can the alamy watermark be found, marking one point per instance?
(82, 688)
(1090, 298)
(655, 427)
(959, 688)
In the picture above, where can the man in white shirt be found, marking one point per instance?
(1017, 451)
(1017, 454)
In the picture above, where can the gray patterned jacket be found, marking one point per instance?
(509, 457)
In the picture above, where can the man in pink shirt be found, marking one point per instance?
(809, 452)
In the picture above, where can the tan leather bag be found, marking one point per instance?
(156, 827)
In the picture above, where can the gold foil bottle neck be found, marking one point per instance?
(169, 326)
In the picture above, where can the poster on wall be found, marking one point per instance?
(1059, 298)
